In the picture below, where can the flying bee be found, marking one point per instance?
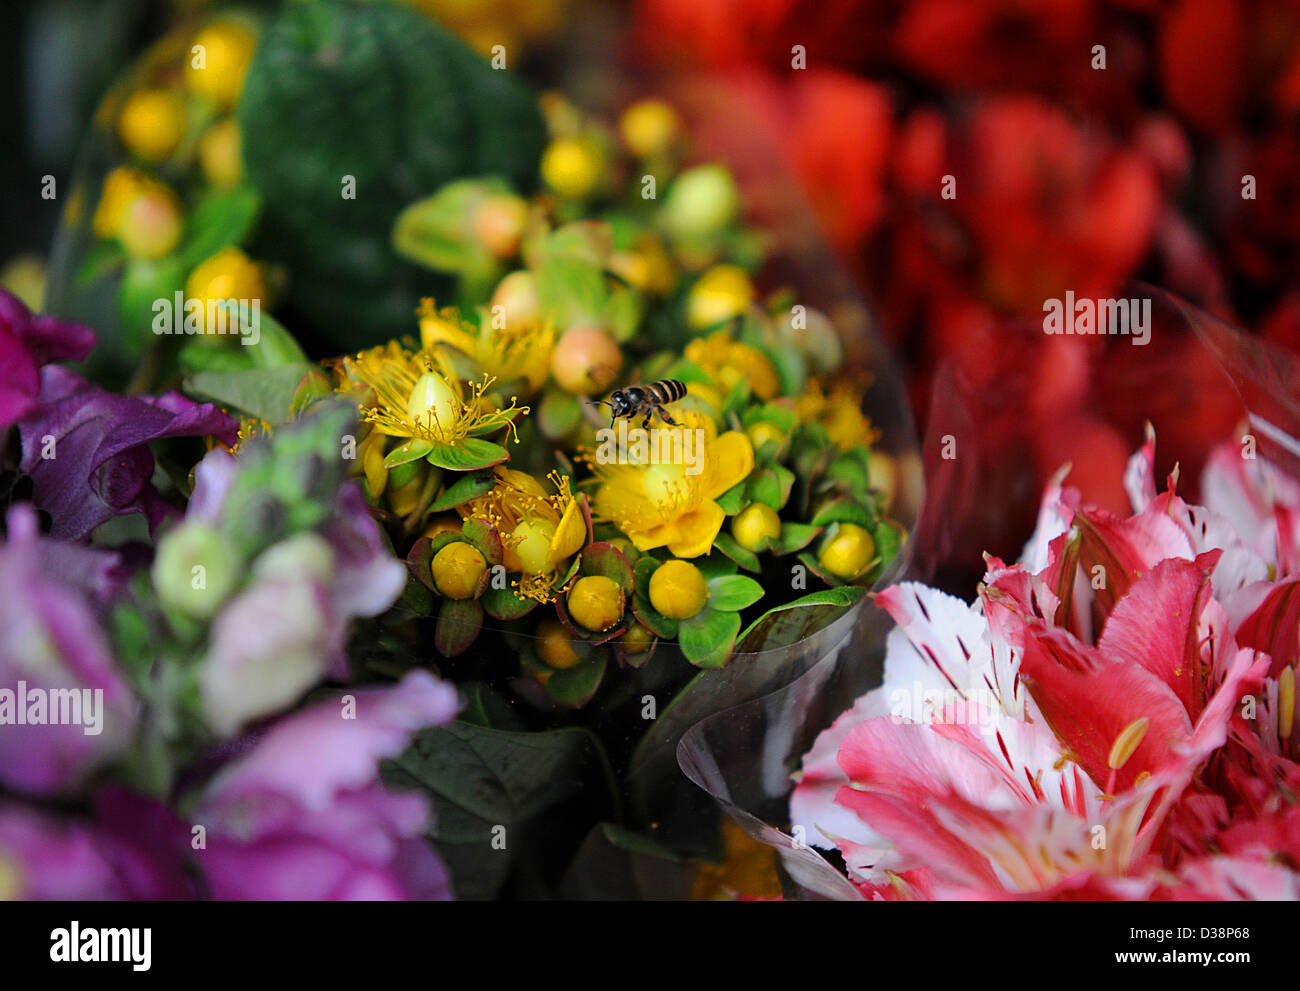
(648, 399)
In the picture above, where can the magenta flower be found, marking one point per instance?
(49, 857)
(26, 344)
(87, 450)
(301, 814)
(1112, 717)
(64, 709)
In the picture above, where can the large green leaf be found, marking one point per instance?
(378, 93)
(265, 393)
(488, 783)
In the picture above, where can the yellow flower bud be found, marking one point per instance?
(678, 589)
(637, 639)
(555, 645)
(721, 293)
(882, 472)
(754, 523)
(761, 432)
(499, 224)
(405, 487)
(229, 274)
(526, 547)
(221, 155)
(847, 552)
(216, 71)
(152, 123)
(121, 188)
(433, 404)
(585, 360)
(457, 569)
(596, 602)
(151, 224)
(572, 167)
(516, 294)
(649, 127)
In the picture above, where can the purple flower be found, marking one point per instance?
(49, 857)
(63, 707)
(302, 813)
(286, 630)
(27, 343)
(87, 452)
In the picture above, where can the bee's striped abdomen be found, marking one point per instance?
(667, 390)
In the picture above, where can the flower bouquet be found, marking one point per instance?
(537, 450)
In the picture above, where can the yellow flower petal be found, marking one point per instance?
(570, 535)
(648, 540)
(697, 531)
(733, 456)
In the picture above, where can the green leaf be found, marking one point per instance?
(505, 605)
(222, 218)
(459, 622)
(844, 510)
(783, 625)
(437, 231)
(376, 99)
(653, 620)
(143, 282)
(571, 291)
(275, 345)
(574, 687)
(408, 451)
(733, 500)
(733, 592)
(748, 560)
(764, 486)
(482, 778)
(470, 454)
(485, 537)
(265, 393)
(794, 537)
(707, 638)
(464, 489)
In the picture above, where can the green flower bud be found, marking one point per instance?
(194, 571)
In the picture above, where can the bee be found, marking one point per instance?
(648, 399)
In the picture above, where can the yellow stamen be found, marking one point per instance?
(1286, 703)
(1129, 739)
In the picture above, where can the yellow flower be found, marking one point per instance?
(665, 504)
(227, 49)
(122, 187)
(508, 351)
(847, 552)
(596, 602)
(840, 412)
(678, 589)
(416, 396)
(457, 569)
(539, 530)
(152, 123)
(728, 361)
(747, 870)
(721, 293)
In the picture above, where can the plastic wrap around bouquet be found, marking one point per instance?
(1105, 713)
(632, 433)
